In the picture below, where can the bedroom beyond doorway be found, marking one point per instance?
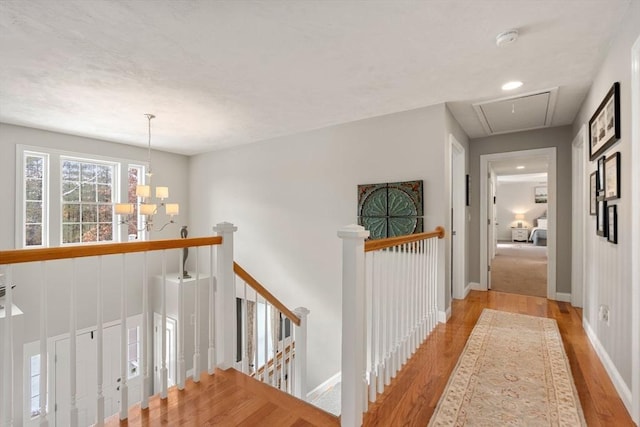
(521, 257)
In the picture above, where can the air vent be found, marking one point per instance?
(517, 113)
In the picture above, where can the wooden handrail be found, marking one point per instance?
(47, 254)
(265, 293)
(375, 245)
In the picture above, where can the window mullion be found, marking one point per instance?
(55, 201)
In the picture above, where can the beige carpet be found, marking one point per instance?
(520, 268)
(512, 372)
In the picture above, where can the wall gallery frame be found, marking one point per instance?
(600, 182)
(601, 217)
(612, 224)
(593, 193)
(604, 125)
(612, 177)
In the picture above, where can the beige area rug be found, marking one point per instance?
(520, 268)
(512, 372)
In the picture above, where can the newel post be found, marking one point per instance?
(353, 324)
(300, 365)
(226, 300)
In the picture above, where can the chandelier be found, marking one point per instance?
(148, 208)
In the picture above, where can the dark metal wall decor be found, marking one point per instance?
(391, 209)
(604, 125)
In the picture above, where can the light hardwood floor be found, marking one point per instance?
(231, 399)
(414, 394)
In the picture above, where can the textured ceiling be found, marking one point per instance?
(222, 73)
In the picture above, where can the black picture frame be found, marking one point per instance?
(604, 125)
(601, 217)
(593, 193)
(612, 224)
(612, 177)
(468, 189)
(600, 182)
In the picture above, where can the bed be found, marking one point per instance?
(539, 233)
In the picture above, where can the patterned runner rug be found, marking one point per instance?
(513, 371)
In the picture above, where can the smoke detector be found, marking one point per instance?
(506, 37)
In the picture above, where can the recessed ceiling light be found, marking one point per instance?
(519, 167)
(512, 85)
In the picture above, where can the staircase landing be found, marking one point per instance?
(227, 398)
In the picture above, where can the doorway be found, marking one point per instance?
(459, 289)
(86, 379)
(488, 233)
(519, 264)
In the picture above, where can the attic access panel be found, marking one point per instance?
(523, 112)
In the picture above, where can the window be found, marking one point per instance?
(34, 198)
(133, 353)
(67, 198)
(34, 387)
(87, 209)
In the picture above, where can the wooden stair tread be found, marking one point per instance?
(227, 398)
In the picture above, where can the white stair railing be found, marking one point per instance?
(273, 343)
(15, 265)
(389, 307)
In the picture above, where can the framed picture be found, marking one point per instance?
(612, 224)
(468, 189)
(593, 193)
(601, 217)
(604, 125)
(540, 194)
(600, 182)
(612, 177)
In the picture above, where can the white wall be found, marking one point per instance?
(608, 266)
(289, 196)
(518, 197)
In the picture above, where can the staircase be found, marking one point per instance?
(227, 398)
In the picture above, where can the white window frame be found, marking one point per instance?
(52, 210)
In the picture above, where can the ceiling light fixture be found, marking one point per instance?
(148, 209)
(519, 167)
(506, 37)
(515, 84)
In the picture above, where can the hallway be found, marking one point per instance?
(414, 394)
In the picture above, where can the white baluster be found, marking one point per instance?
(144, 357)
(227, 326)
(73, 406)
(265, 370)
(300, 367)
(211, 355)
(196, 326)
(164, 372)
(283, 384)
(124, 361)
(373, 319)
(245, 331)
(388, 314)
(432, 285)
(181, 322)
(353, 324)
(255, 338)
(43, 345)
(8, 356)
(274, 346)
(100, 346)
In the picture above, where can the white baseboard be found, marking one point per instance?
(444, 316)
(561, 296)
(467, 289)
(614, 375)
(316, 392)
(476, 286)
